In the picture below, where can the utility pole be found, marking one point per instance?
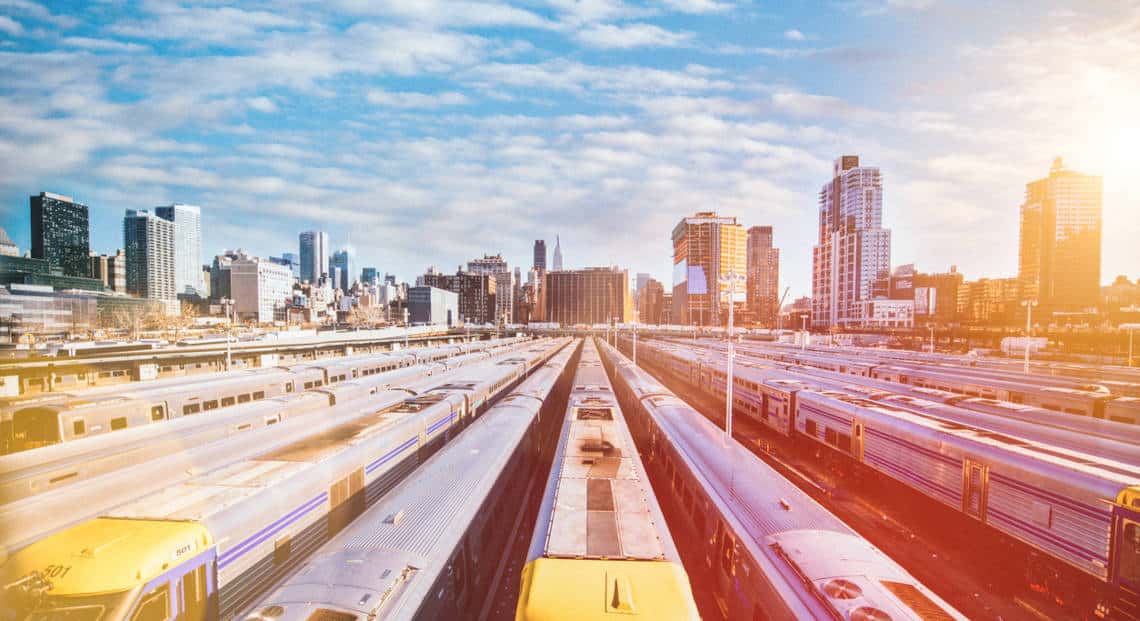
(730, 279)
(1028, 304)
(635, 347)
(931, 326)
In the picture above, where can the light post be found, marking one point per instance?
(1028, 304)
(227, 306)
(1131, 327)
(730, 279)
(803, 336)
(931, 326)
(635, 347)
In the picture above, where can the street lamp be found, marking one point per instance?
(1131, 327)
(803, 336)
(730, 279)
(931, 326)
(227, 307)
(1028, 304)
(635, 346)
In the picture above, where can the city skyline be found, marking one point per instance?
(657, 112)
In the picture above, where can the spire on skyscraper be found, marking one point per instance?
(557, 263)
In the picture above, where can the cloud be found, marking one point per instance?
(10, 26)
(415, 100)
(609, 36)
(261, 104)
(796, 103)
(38, 12)
(698, 6)
(103, 45)
(794, 35)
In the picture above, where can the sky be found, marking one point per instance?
(429, 132)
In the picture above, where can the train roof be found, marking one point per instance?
(107, 555)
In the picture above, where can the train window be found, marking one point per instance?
(244, 398)
(1129, 567)
(308, 385)
(843, 442)
(118, 423)
(288, 386)
(192, 408)
(830, 436)
(78, 427)
(212, 404)
(228, 401)
(154, 606)
(809, 428)
(259, 395)
(157, 412)
(727, 548)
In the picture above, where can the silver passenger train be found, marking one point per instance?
(1078, 513)
(63, 417)
(1056, 394)
(432, 548)
(51, 467)
(766, 549)
(211, 546)
(29, 518)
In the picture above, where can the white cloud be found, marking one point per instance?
(608, 36)
(10, 26)
(794, 35)
(261, 104)
(103, 45)
(415, 100)
(699, 6)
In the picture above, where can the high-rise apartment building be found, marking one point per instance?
(557, 262)
(851, 264)
(369, 276)
(7, 247)
(148, 242)
(187, 221)
(705, 247)
(496, 266)
(111, 270)
(314, 254)
(588, 296)
(763, 283)
(260, 289)
(1059, 257)
(61, 233)
(539, 255)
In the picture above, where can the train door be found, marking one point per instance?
(857, 440)
(1126, 559)
(346, 501)
(186, 593)
(724, 568)
(975, 484)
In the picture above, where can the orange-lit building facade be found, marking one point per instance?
(705, 247)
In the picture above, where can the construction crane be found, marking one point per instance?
(780, 315)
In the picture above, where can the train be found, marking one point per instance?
(601, 546)
(211, 546)
(432, 548)
(27, 473)
(1077, 514)
(64, 417)
(766, 549)
(1058, 395)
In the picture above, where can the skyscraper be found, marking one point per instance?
(369, 276)
(61, 233)
(763, 276)
(314, 254)
(187, 221)
(1059, 257)
(851, 264)
(111, 270)
(557, 263)
(341, 261)
(705, 247)
(540, 255)
(149, 244)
